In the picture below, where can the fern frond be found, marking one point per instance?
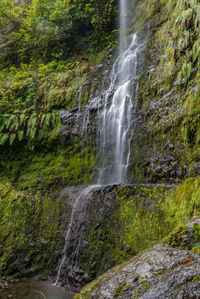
(12, 138)
(14, 127)
(47, 120)
(3, 138)
(23, 118)
(32, 122)
(20, 135)
(1, 128)
(32, 132)
(10, 120)
(42, 119)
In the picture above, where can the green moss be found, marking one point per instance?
(142, 223)
(29, 233)
(139, 218)
(175, 238)
(136, 295)
(183, 202)
(196, 249)
(86, 293)
(118, 292)
(196, 278)
(51, 170)
(196, 231)
(146, 286)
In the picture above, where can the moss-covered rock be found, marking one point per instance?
(158, 271)
(169, 95)
(30, 232)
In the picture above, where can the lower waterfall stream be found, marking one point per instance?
(75, 209)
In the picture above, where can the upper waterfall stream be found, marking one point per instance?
(117, 118)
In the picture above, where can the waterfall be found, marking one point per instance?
(120, 108)
(79, 95)
(117, 119)
(76, 209)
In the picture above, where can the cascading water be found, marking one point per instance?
(120, 108)
(117, 118)
(79, 94)
(76, 209)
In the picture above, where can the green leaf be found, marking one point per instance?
(15, 126)
(23, 118)
(32, 132)
(12, 138)
(54, 117)
(1, 128)
(47, 120)
(32, 122)
(20, 135)
(42, 119)
(3, 138)
(9, 120)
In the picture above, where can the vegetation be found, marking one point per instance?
(47, 30)
(48, 49)
(45, 57)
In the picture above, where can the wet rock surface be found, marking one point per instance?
(159, 272)
(32, 289)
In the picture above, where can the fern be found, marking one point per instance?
(32, 121)
(54, 117)
(186, 14)
(20, 135)
(42, 118)
(3, 138)
(32, 132)
(47, 120)
(1, 128)
(196, 50)
(10, 120)
(186, 70)
(12, 138)
(41, 134)
(15, 126)
(23, 118)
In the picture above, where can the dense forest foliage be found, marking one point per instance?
(47, 49)
(46, 30)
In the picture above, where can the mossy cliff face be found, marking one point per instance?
(31, 232)
(165, 147)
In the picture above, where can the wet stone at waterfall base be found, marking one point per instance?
(30, 289)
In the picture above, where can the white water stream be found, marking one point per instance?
(75, 209)
(116, 129)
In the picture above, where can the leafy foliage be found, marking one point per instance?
(47, 30)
